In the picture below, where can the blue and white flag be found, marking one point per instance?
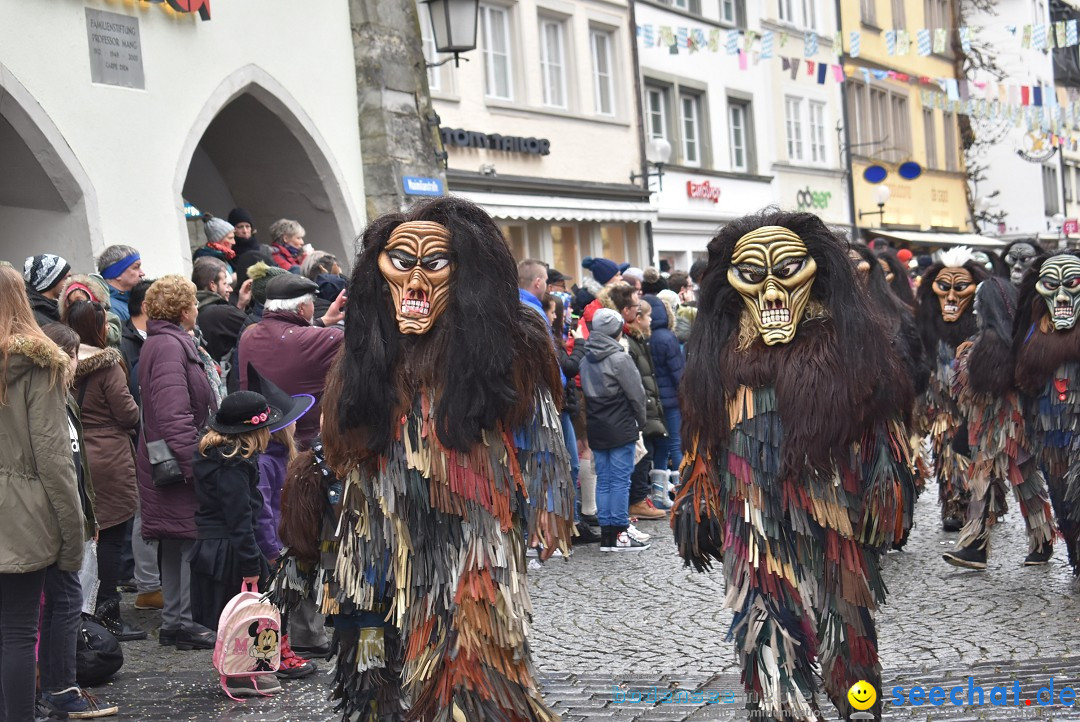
(856, 43)
(810, 44)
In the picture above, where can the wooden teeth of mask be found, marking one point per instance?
(773, 271)
(416, 266)
(1059, 285)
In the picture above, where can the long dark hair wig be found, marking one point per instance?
(990, 367)
(1037, 347)
(484, 358)
(898, 317)
(827, 379)
(932, 326)
(900, 285)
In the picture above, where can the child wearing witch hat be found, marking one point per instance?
(226, 553)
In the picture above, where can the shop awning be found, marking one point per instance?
(559, 208)
(940, 239)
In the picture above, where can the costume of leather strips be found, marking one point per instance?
(1000, 459)
(800, 553)
(942, 420)
(432, 558)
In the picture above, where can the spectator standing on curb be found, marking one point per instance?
(44, 275)
(43, 524)
(287, 244)
(121, 267)
(615, 407)
(668, 362)
(219, 321)
(177, 400)
(220, 239)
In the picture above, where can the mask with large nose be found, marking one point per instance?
(416, 264)
(773, 271)
(1059, 285)
(955, 289)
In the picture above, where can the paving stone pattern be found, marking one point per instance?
(608, 624)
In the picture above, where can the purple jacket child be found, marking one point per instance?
(272, 466)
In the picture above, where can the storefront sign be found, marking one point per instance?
(419, 186)
(115, 50)
(494, 141)
(187, 6)
(705, 191)
(1071, 225)
(809, 199)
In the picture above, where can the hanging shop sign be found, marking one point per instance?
(493, 141)
(115, 49)
(420, 186)
(186, 6)
(1071, 225)
(705, 191)
(1036, 149)
(807, 199)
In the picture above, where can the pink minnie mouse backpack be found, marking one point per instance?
(248, 639)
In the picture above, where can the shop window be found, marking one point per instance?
(553, 62)
(613, 240)
(601, 42)
(515, 238)
(564, 248)
(495, 41)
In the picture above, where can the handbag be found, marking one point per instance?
(164, 468)
(98, 655)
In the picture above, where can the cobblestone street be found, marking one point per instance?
(622, 622)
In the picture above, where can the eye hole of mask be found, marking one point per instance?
(1071, 282)
(790, 267)
(751, 273)
(1050, 284)
(436, 263)
(401, 260)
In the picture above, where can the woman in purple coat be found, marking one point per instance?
(177, 401)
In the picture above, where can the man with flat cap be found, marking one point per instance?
(291, 351)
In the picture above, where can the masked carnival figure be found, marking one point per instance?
(1019, 256)
(797, 472)
(1046, 345)
(946, 318)
(1001, 458)
(444, 425)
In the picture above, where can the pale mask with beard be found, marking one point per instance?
(416, 266)
(1019, 259)
(773, 271)
(955, 289)
(1059, 285)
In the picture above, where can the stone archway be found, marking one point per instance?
(253, 147)
(47, 203)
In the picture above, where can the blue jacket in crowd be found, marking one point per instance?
(667, 354)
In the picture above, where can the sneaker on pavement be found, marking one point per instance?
(532, 552)
(625, 543)
(150, 600)
(45, 713)
(293, 666)
(263, 685)
(646, 510)
(1040, 556)
(967, 557)
(586, 535)
(636, 533)
(78, 704)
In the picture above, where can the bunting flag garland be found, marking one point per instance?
(821, 71)
(1038, 37)
(748, 40)
(856, 43)
(924, 41)
(1025, 42)
(767, 45)
(810, 44)
(732, 45)
(965, 39)
(1070, 33)
(890, 42)
(941, 39)
(903, 42)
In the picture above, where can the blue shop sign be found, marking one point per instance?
(415, 186)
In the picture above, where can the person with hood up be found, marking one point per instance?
(44, 276)
(91, 289)
(615, 409)
(668, 363)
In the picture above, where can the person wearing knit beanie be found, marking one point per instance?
(260, 274)
(45, 273)
(603, 270)
(651, 282)
(220, 238)
(241, 215)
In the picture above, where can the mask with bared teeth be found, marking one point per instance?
(1059, 285)
(773, 271)
(955, 289)
(416, 264)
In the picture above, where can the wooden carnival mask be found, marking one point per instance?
(955, 289)
(1059, 285)
(1019, 260)
(416, 266)
(773, 271)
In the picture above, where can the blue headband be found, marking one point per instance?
(117, 269)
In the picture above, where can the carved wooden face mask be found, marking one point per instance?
(416, 265)
(773, 271)
(955, 288)
(1059, 285)
(1019, 259)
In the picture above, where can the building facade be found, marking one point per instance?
(137, 108)
(889, 124)
(540, 127)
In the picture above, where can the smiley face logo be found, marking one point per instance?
(862, 695)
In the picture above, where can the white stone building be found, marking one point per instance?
(114, 113)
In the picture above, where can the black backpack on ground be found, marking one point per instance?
(98, 655)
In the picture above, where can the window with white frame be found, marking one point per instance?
(430, 54)
(656, 112)
(818, 152)
(495, 43)
(1067, 181)
(739, 134)
(793, 126)
(879, 117)
(600, 42)
(786, 10)
(1050, 190)
(810, 14)
(553, 62)
(729, 12)
(900, 122)
(690, 115)
(899, 16)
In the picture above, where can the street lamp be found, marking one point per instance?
(657, 154)
(881, 197)
(453, 23)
